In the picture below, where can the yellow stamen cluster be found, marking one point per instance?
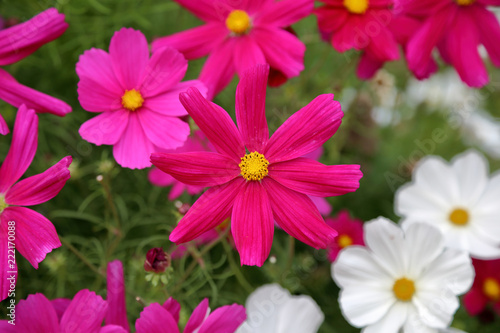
(491, 288)
(132, 100)
(459, 216)
(238, 22)
(253, 166)
(344, 241)
(356, 6)
(404, 289)
(465, 2)
(3, 204)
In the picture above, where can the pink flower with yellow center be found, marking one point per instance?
(361, 25)
(18, 42)
(486, 287)
(257, 180)
(240, 34)
(350, 232)
(456, 28)
(137, 95)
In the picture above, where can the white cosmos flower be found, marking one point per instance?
(401, 281)
(271, 309)
(459, 199)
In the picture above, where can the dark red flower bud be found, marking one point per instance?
(157, 260)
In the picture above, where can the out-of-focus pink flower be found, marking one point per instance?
(350, 233)
(240, 34)
(157, 260)
(117, 310)
(18, 42)
(360, 25)
(137, 95)
(456, 28)
(197, 141)
(158, 318)
(84, 314)
(271, 182)
(486, 287)
(33, 234)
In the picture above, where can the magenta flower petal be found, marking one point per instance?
(98, 89)
(165, 69)
(322, 204)
(215, 123)
(117, 310)
(163, 131)
(195, 43)
(112, 329)
(282, 49)
(17, 94)
(172, 306)
(489, 32)
(168, 104)
(314, 178)
(35, 234)
(160, 178)
(206, 10)
(286, 12)
(252, 224)
(368, 66)
(129, 54)
(134, 148)
(197, 168)
(197, 317)
(40, 188)
(251, 108)
(36, 314)
(60, 305)
(475, 302)
(20, 40)
(320, 119)
(325, 22)
(461, 42)
(7, 266)
(219, 68)
(4, 129)
(210, 210)
(84, 314)
(22, 149)
(106, 128)
(297, 215)
(247, 53)
(156, 319)
(225, 319)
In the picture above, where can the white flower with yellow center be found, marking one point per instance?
(459, 199)
(401, 281)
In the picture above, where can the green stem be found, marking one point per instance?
(236, 269)
(81, 257)
(106, 185)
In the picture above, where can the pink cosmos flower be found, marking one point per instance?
(18, 42)
(350, 232)
(269, 183)
(164, 319)
(137, 95)
(486, 287)
(361, 25)
(240, 34)
(84, 314)
(456, 28)
(196, 142)
(34, 234)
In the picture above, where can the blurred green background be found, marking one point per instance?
(388, 126)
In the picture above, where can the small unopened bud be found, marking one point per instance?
(157, 260)
(183, 209)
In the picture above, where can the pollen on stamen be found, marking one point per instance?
(465, 2)
(253, 166)
(238, 22)
(404, 289)
(132, 100)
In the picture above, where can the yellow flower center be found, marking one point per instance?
(3, 204)
(459, 217)
(132, 100)
(238, 21)
(344, 240)
(465, 2)
(253, 166)
(491, 288)
(404, 289)
(356, 6)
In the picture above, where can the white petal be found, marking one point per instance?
(471, 170)
(393, 320)
(418, 203)
(436, 309)
(488, 203)
(425, 243)
(386, 240)
(301, 314)
(364, 306)
(481, 246)
(415, 325)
